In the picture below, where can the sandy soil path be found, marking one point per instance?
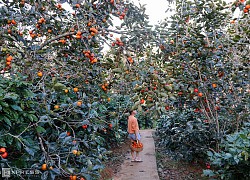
(146, 170)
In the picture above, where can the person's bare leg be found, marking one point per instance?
(137, 155)
(132, 152)
(133, 155)
(138, 159)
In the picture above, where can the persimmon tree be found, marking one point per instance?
(205, 49)
(56, 57)
(71, 98)
(202, 53)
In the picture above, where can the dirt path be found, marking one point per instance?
(146, 170)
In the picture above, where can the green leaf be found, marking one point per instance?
(44, 118)
(246, 156)
(2, 143)
(18, 144)
(52, 175)
(16, 107)
(32, 117)
(230, 139)
(59, 86)
(243, 136)
(7, 121)
(208, 173)
(102, 108)
(66, 139)
(210, 153)
(172, 97)
(71, 170)
(12, 96)
(4, 104)
(40, 129)
(45, 175)
(30, 151)
(62, 135)
(87, 177)
(9, 139)
(96, 167)
(228, 156)
(56, 171)
(236, 159)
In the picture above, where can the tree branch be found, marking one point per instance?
(55, 38)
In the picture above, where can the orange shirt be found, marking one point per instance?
(132, 125)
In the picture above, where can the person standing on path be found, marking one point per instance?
(134, 135)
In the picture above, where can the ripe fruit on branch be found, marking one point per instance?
(41, 21)
(71, 177)
(162, 47)
(85, 126)
(142, 101)
(39, 74)
(245, 10)
(104, 87)
(44, 167)
(196, 90)
(167, 108)
(4, 155)
(93, 31)
(79, 103)
(8, 60)
(220, 74)
(63, 41)
(117, 42)
(217, 108)
(74, 152)
(208, 166)
(75, 89)
(180, 93)
(197, 110)
(91, 56)
(13, 22)
(2, 150)
(59, 6)
(130, 60)
(200, 94)
(56, 107)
